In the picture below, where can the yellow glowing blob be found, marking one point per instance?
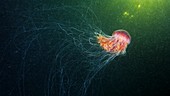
(126, 13)
(131, 16)
(139, 5)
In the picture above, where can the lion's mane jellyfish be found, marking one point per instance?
(117, 43)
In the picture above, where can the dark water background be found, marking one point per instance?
(143, 71)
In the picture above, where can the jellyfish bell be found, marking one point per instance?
(117, 43)
(122, 34)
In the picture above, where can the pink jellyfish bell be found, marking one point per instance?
(117, 43)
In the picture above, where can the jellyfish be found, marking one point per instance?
(76, 50)
(117, 43)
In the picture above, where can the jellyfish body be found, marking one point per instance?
(117, 43)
